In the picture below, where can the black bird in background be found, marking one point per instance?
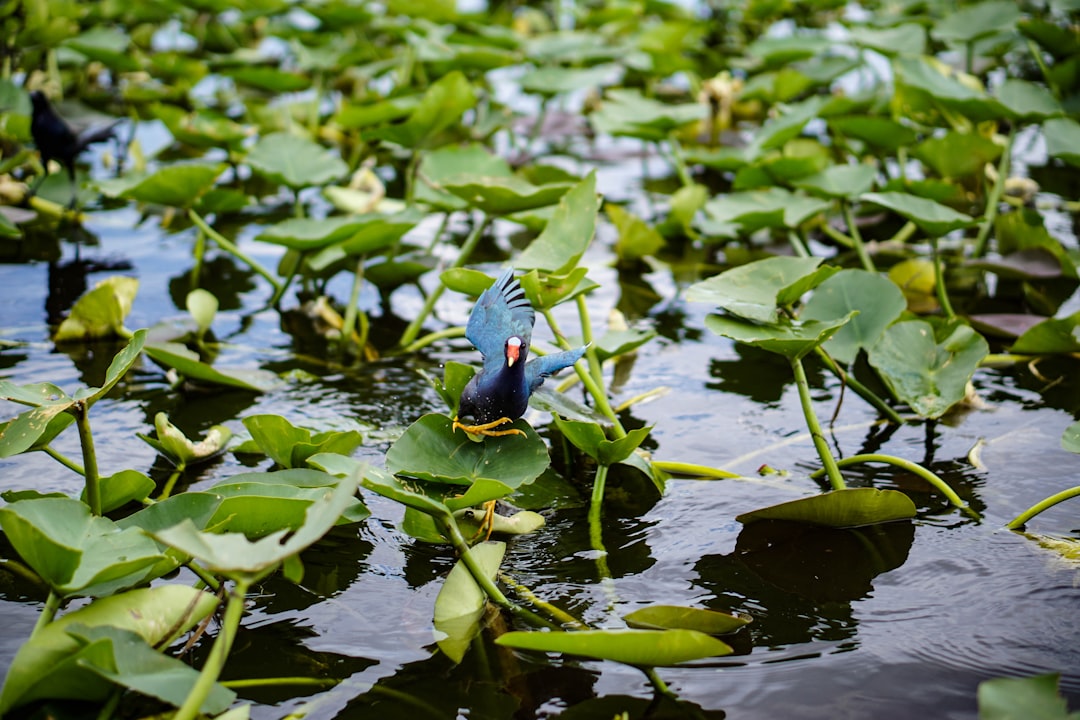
(56, 140)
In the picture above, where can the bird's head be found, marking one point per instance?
(516, 349)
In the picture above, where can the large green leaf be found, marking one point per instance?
(757, 209)
(568, 233)
(1028, 101)
(751, 291)
(928, 374)
(629, 113)
(1062, 139)
(100, 313)
(878, 301)
(178, 185)
(846, 181)
(850, 507)
(957, 154)
(446, 163)
(188, 364)
(497, 195)
(1031, 698)
(792, 339)
(460, 603)
(430, 450)
(1070, 440)
(589, 437)
(921, 77)
(643, 648)
(557, 80)
(1053, 335)
(932, 218)
(441, 107)
(291, 446)
(672, 617)
(75, 552)
(969, 23)
(155, 614)
(295, 161)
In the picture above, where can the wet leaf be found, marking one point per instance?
(1071, 439)
(291, 446)
(460, 603)
(1032, 698)
(928, 374)
(152, 613)
(568, 233)
(1062, 139)
(931, 217)
(851, 507)
(430, 450)
(792, 339)
(752, 291)
(591, 439)
(847, 181)
(178, 185)
(441, 107)
(672, 617)
(957, 155)
(187, 364)
(643, 648)
(849, 290)
(970, 23)
(73, 551)
(295, 161)
(1053, 335)
(503, 195)
(101, 312)
(629, 113)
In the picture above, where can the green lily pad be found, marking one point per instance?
(187, 364)
(123, 487)
(76, 553)
(839, 181)
(591, 439)
(1071, 439)
(850, 290)
(751, 291)
(629, 113)
(757, 209)
(155, 614)
(932, 218)
(441, 107)
(1053, 335)
(179, 185)
(460, 603)
(928, 374)
(559, 80)
(1062, 139)
(642, 648)
(295, 161)
(503, 195)
(100, 313)
(776, 132)
(388, 486)
(201, 128)
(1027, 101)
(446, 163)
(970, 23)
(792, 339)
(546, 290)
(430, 450)
(291, 446)
(958, 155)
(568, 234)
(907, 38)
(673, 617)
(637, 238)
(918, 78)
(880, 132)
(270, 79)
(1032, 698)
(851, 507)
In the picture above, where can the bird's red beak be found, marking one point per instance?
(513, 351)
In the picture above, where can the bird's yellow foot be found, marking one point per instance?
(487, 525)
(486, 428)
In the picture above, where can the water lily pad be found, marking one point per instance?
(671, 617)
(75, 552)
(295, 161)
(969, 23)
(642, 648)
(430, 450)
(629, 113)
(591, 439)
(1053, 335)
(932, 218)
(928, 374)
(153, 613)
(637, 238)
(754, 210)
(446, 163)
(880, 132)
(957, 155)
(907, 38)
(878, 301)
(837, 181)
(792, 339)
(187, 364)
(1032, 698)
(558, 80)
(291, 446)
(100, 313)
(460, 603)
(503, 195)
(851, 507)
(179, 185)
(750, 291)
(441, 107)
(546, 290)
(568, 233)
(918, 78)
(1027, 101)
(123, 487)
(1062, 139)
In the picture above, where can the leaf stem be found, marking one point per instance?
(280, 681)
(467, 248)
(558, 613)
(89, 456)
(596, 537)
(853, 232)
(423, 342)
(911, 467)
(233, 250)
(215, 661)
(994, 197)
(63, 459)
(861, 390)
(827, 460)
(1020, 520)
(939, 281)
(52, 604)
(683, 468)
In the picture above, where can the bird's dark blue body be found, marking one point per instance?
(500, 327)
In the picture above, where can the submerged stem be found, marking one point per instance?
(827, 460)
(1020, 520)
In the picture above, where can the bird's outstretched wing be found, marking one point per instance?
(542, 367)
(501, 311)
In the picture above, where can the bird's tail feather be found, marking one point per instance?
(99, 134)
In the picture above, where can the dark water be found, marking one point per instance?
(898, 621)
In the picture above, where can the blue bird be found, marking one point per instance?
(500, 327)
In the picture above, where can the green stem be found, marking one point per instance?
(864, 392)
(939, 281)
(675, 154)
(467, 248)
(1020, 520)
(682, 468)
(52, 604)
(280, 681)
(17, 568)
(171, 483)
(89, 457)
(423, 342)
(558, 613)
(913, 468)
(200, 251)
(1004, 359)
(233, 250)
(797, 244)
(838, 237)
(215, 661)
(827, 460)
(994, 197)
(453, 532)
(658, 684)
(63, 459)
(204, 575)
(596, 538)
(853, 231)
(352, 309)
(904, 234)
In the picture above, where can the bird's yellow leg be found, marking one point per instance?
(486, 428)
(487, 525)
